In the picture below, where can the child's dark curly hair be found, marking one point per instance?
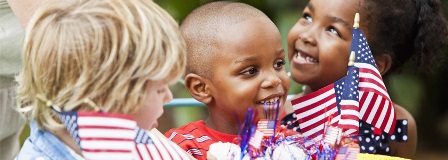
(406, 29)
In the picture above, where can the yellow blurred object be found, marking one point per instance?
(365, 156)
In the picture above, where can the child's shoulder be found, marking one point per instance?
(402, 113)
(288, 104)
(192, 138)
(405, 149)
(189, 128)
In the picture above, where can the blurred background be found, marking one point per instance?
(424, 96)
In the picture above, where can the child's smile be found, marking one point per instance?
(302, 57)
(270, 100)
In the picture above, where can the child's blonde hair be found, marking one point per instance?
(103, 50)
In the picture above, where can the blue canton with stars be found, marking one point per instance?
(142, 137)
(70, 121)
(362, 49)
(350, 91)
(338, 89)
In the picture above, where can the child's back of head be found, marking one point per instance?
(107, 51)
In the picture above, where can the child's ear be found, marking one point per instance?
(198, 87)
(383, 62)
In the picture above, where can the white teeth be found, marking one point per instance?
(309, 59)
(271, 101)
(306, 58)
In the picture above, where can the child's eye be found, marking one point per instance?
(307, 17)
(279, 64)
(250, 71)
(334, 31)
(159, 91)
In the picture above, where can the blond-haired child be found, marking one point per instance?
(107, 57)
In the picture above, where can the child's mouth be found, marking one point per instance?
(305, 58)
(271, 101)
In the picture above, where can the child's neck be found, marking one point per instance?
(307, 90)
(65, 137)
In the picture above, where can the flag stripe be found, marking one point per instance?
(93, 133)
(107, 155)
(317, 126)
(154, 151)
(385, 111)
(327, 102)
(170, 148)
(105, 139)
(103, 127)
(140, 148)
(374, 108)
(367, 87)
(309, 105)
(363, 107)
(351, 103)
(369, 106)
(349, 124)
(106, 121)
(179, 150)
(313, 95)
(105, 150)
(390, 123)
(107, 145)
(160, 147)
(317, 118)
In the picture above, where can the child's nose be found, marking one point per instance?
(271, 81)
(168, 97)
(308, 37)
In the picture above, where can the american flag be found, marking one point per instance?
(347, 153)
(349, 121)
(266, 127)
(374, 104)
(332, 135)
(314, 110)
(114, 136)
(255, 140)
(376, 108)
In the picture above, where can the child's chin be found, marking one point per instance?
(154, 125)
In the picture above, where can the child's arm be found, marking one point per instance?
(405, 149)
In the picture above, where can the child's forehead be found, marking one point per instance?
(338, 8)
(254, 37)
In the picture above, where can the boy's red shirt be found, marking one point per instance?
(195, 138)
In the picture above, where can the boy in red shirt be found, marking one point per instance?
(235, 60)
